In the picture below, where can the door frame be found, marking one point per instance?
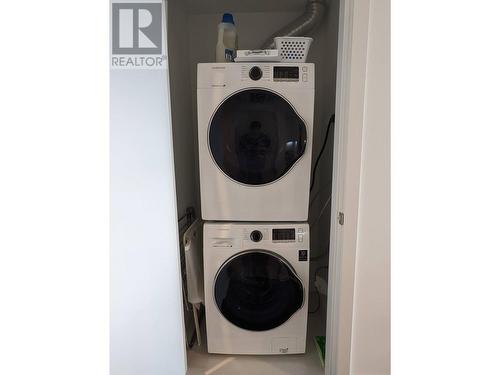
(350, 102)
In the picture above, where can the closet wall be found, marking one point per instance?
(183, 105)
(323, 54)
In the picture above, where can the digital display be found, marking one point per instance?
(286, 73)
(284, 234)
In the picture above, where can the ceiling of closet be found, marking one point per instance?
(242, 6)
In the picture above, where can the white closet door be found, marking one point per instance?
(147, 326)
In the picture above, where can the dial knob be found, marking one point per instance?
(255, 73)
(256, 235)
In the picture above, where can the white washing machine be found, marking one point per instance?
(256, 280)
(255, 131)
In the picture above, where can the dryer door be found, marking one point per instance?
(256, 136)
(257, 290)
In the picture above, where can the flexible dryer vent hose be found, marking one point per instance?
(315, 9)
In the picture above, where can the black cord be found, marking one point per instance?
(330, 122)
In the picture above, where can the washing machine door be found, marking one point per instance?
(256, 136)
(257, 290)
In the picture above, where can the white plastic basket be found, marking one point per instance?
(293, 48)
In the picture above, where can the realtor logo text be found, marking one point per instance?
(137, 36)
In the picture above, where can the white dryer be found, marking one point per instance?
(256, 280)
(255, 128)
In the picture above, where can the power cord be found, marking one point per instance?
(330, 123)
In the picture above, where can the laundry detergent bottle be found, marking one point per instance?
(227, 40)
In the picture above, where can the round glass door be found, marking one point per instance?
(257, 291)
(255, 136)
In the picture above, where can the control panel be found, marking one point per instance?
(275, 73)
(236, 76)
(276, 235)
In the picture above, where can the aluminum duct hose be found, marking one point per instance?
(315, 10)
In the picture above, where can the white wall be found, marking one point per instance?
(370, 351)
(146, 323)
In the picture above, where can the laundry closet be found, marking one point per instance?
(191, 40)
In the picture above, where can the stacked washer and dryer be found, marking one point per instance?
(255, 126)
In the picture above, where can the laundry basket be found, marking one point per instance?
(293, 48)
